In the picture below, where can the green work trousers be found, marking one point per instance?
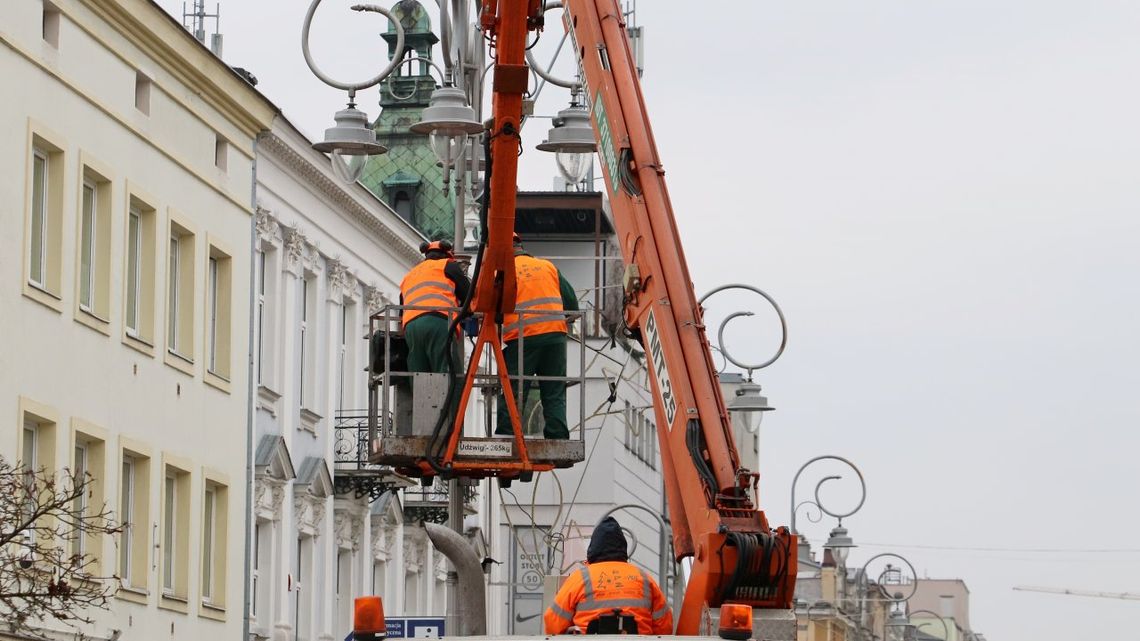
(543, 355)
(428, 342)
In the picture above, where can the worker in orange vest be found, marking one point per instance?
(540, 288)
(438, 281)
(609, 595)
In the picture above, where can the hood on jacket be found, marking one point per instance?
(607, 543)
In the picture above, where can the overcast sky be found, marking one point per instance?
(943, 197)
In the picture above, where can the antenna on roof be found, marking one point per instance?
(195, 22)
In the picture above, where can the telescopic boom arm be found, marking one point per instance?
(737, 556)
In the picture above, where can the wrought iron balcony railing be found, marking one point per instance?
(351, 470)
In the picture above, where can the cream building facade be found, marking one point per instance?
(124, 295)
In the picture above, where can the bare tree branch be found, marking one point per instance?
(41, 578)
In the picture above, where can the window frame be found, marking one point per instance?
(127, 482)
(144, 282)
(174, 537)
(88, 235)
(218, 314)
(80, 464)
(93, 244)
(39, 194)
(181, 299)
(138, 546)
(50, 149)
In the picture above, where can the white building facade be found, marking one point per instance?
(327, 256)
(124, 297)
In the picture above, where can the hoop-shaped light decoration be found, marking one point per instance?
(818, 502)
(898, 596)
(351, 141)
(720, 332)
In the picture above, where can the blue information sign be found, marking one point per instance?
(414, 627)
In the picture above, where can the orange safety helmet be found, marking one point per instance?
(444, 246)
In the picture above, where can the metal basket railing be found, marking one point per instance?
(385, 326)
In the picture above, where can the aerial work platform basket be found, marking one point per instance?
(412, 428)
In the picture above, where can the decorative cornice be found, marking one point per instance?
(274, 145)
(309, 513)
(269, 494)
(374, 299)
(300, 253)
(342, 282)
(347, 528)
(267, 227)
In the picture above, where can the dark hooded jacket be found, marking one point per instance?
(607, 543)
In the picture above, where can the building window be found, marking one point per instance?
(180, 293)
(142, 93)
(343, 588)
(51, 18)
(134, 270)
(209, 519)
(403, 205)
(94, 244)
(134, 513)
(640, 435)
(218, 297)
(139, 271)
(260, 279)
(79, 471)
(45, 217)
(126, 517)
(214, 522)
(344, 393)
(221, 152)
(303, 616)
(36, 444)
(307, 341)
(39, 250)
(169, 529)
(87, 248)
(31, 464)
(175, 542)
(260, 564)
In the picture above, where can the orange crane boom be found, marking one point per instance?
(737, 556)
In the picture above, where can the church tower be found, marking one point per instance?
(407, 177)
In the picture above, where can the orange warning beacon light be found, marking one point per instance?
(368, 619)
(735, 622)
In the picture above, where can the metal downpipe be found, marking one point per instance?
(472, 590)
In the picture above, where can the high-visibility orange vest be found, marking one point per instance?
(599, 589)
(538, 290)
(426, 284)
